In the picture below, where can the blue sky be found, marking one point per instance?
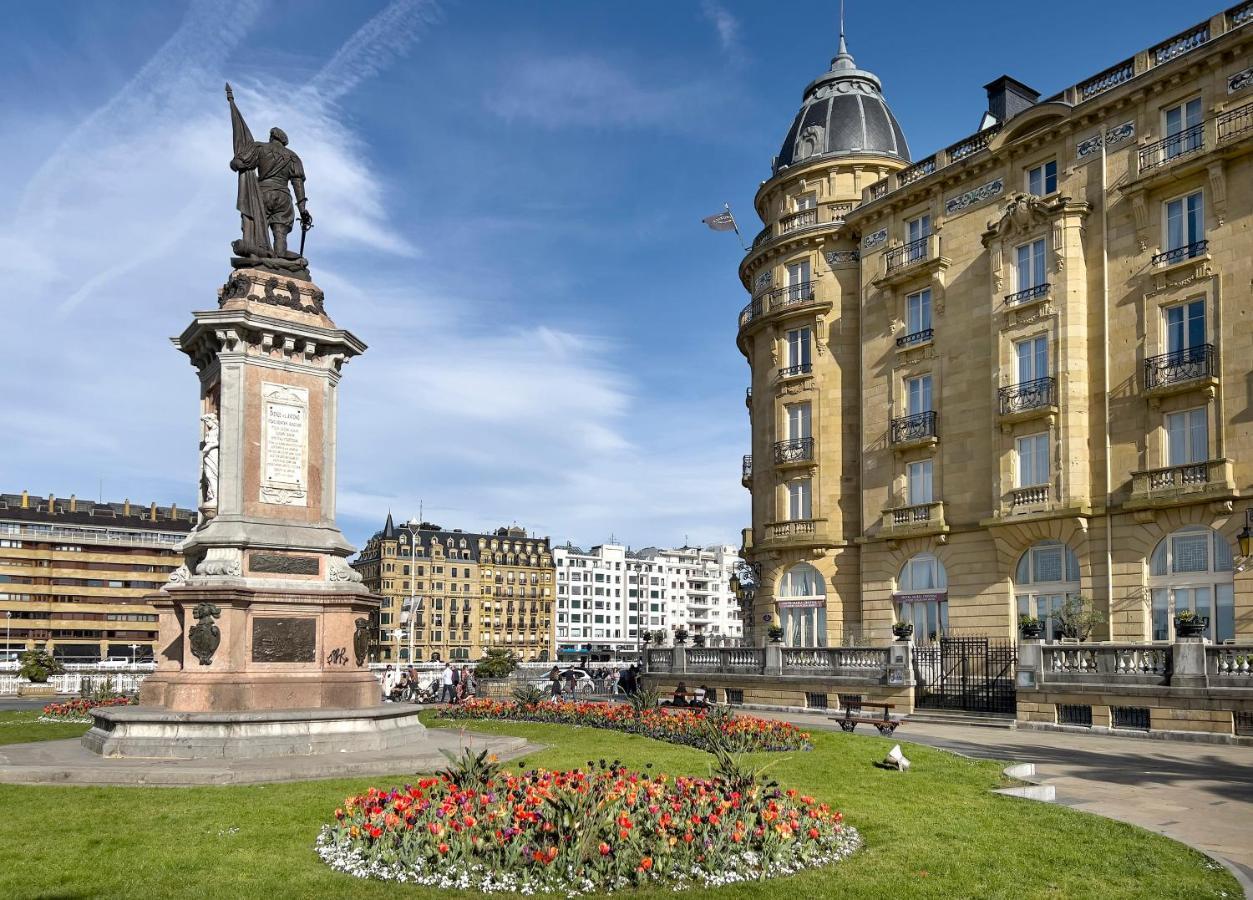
(508, 200)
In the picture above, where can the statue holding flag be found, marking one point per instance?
(264, 201)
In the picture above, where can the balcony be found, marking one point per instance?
(1172, 147)
(915, 519)
(915, 339)
(908, 261)
(800, 219)
(907, 254)
(1188, 483)
(1181, 254)
(799, 294)
(797, 533)
(915, 429)
(1028, 399)
(1182, 370)
(1234, 123)
(755, 309)
(796, 370)
(746, 471)
(1026, 499)
(1029, 295)
(796, 450)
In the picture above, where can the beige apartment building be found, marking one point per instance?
(74, 574)
(1016, 369)
(452, 595)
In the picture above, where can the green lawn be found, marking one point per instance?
(933, 832)
(24, 727)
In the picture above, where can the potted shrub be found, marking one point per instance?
(37, 667)
(659, 638)
(903, 630)
(1077, 618)
(698, 640)
(680, 636)
(775, 633)
(1030, 627)
(1189, 624)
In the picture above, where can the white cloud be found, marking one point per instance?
(726, 25)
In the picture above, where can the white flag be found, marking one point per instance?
(723, 221)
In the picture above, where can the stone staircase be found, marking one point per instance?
(961, 717)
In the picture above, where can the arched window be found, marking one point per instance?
(922, 596)
(1047, 574)
(802, 600)
(1192, 569)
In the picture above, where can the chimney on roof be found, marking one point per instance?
(1007, 97)
(126, 506)
(152, 512)
(73, 503)
(52, 504)
(25, 500)
(173, 512)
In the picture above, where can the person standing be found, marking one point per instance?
(389, 683)
(614, 677)
(446, 685)
(554, 684)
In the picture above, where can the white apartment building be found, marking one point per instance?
(607, 594)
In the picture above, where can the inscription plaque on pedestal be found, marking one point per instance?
(284, 640)
(284, 444)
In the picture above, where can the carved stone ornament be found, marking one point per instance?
(205, 636)
(179, 576)
(841, 257)
(874, 240)
(1022, 213)
(220, 563)
(1240, 80)
(810, 142)
(954, 205)
(361, 641)
(339, 570)
(209, 444)
(764, 280)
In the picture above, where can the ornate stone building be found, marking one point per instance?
(451, 595)
(1014, 370)
(74, 574)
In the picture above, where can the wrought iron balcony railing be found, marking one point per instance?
(1234, 123)
(753, 310)
(907, 429)
(791, 295)
(794, 450)
(918, 170)
(798, 369)
(1040, 393)
(1176, 254)
(1182, 365)
(1028, 294)
(915, 337)
(1173, 146)
(914, 251)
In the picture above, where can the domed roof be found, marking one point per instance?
(843, 113)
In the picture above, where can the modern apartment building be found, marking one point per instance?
(1013, 370)
(608, 595)
(73, 574)
(451, 594)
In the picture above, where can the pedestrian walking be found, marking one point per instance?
(446, 685)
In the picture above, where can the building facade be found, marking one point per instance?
(74, 574)
(1016, 370)
(452, 595)
(608, 596)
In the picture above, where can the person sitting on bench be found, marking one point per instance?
(680, 696)
(700, 698)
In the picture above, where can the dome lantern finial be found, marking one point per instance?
(843, 59)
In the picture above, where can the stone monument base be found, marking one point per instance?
(157, 733)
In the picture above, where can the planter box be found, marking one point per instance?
(31, 689)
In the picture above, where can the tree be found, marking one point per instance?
(39, 665)
(498, 663)
(1078, 617)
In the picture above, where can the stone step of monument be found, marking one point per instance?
(68, 762)
(961, 717)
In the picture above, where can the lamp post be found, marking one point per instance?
(413, 526)
(133, 647)
(8, 629)
(1245, 538)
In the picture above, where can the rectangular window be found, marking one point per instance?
(1183, 134)
(1029, 266)
(1185, 326)
(918, 312)
(798, 349)
(1033, 460)
(919, 477)
(1185, 225)
(798, 500)
(1033, 358)
(1042, 180)
(916, 233)
(918, 395)
(806, 201)
(798, 421)
(1187, 437)
(798, 286)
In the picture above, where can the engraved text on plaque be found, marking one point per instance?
(284, 444)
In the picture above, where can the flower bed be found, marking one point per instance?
(680, 726)
(578, 832)
(79, 710)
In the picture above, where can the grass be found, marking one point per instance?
(933, 832)
(23, 727)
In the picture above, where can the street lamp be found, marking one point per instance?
(1245, 537)
(133, 647)
(8, 629)
(413, 526)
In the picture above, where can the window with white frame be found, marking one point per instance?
(802, 599)
(1185, 325)
(798, 286)
(1192, 569)
(921, 596)
(1047, 574)
(1187, 437)
(916, 233)
(1183, 126)
(1185, 224)
(1029, 265)
(918, 395)
(798, 350)
(798, 421)
(1033, 460)
(918, 477)
(1042, 179)
(798, 500)
(806, 201)
(1032, 356)
(918, 312)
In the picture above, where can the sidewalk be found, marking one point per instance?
(1200, 794)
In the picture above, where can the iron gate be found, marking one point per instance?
(970, 673)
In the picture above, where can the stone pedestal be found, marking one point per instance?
(265, 614)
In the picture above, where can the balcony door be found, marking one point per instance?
(1187, 437)
(919, 482)
(799, 507)
(799, 421)
(798, 350)
(918, 312)
(1033, 358)
(798, 287)
(1179, 122)
(1029, 265)
(916, 233)
(1185, 326)
(918, 395)
(1184, 222)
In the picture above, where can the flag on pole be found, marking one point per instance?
(722, 221)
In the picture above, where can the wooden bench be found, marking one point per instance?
(852, 717)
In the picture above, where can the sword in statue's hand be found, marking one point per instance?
(306, 222)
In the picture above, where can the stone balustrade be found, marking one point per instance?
(872, 664)
(1098, 663)
(1230, 665)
